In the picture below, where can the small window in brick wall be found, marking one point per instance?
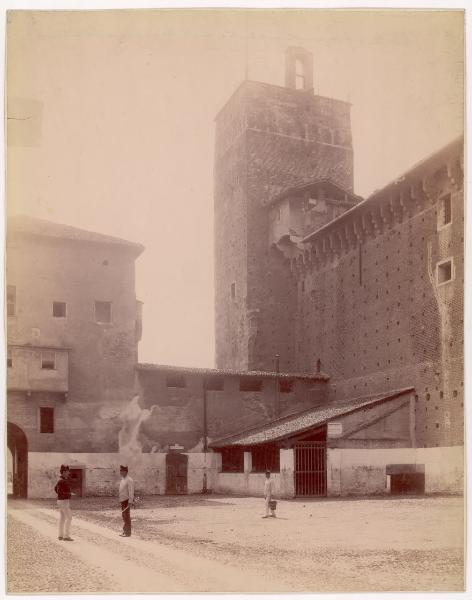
(176, 381)
(48, 360)
(445, 210)
(46, 420)
(214, 383)
(59, 309)
(11, 300)
(249, 384)
(444, 272)
(102, 312)
(233, 291)
(9, 358)
(286, 386)
(265, 457)
(232, 459)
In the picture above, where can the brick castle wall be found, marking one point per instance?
(369, 305)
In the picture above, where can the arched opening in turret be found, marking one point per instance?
(299, 75)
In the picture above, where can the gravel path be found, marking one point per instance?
(38, 564)
(221, 544)
(137, 566)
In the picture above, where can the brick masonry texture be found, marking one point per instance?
(267, 138)
(177, 413)
(361, 295)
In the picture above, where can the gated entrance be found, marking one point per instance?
(176, 473)
(310, 468)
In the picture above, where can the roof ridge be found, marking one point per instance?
(215, 371)
(26, 224)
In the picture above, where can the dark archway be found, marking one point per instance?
(18, 446)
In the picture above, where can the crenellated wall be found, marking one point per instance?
(370, 306)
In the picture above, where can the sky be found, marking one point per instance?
(112, 126)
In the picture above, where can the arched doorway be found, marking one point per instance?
(176, 473)
(18, 446)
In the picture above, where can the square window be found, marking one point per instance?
(249, 384)
(214, 383)
(11, 300)
(48, 360)
(232, 459)
(176, 381)
(445, 272)
(265, 457)
(102, 312)
(58, 309)
(46, 419)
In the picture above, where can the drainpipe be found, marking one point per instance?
(277, 370)
(205, 438)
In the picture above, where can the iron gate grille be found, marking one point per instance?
(310, 469)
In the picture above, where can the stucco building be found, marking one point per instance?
(73, 326)
(360, 300)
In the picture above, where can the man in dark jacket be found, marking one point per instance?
(63, 492)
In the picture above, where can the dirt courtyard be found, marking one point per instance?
(219, 543)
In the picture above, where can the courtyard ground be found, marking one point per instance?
(220, 544)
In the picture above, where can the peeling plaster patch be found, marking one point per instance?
(175, 418)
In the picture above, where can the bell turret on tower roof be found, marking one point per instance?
(299, 69)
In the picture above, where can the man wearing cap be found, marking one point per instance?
(63, 491)
(126, 496)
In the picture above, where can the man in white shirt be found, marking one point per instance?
(126, 496)
(268, 495)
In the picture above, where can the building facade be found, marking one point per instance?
(339, 326)
(370, 289)
(73, 326)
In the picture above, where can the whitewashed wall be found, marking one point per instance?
(363, 471)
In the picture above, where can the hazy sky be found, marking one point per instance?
(121, 133)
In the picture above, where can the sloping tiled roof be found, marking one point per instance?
(40, 227)
(300, 422)
(229, 372)
(317, 181)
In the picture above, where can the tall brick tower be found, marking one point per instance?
(268, 139)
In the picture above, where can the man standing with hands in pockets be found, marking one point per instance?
(126, 496)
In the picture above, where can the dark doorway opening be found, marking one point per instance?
(18, 446)
(76, 477)
(176, 473)
(407, 483)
